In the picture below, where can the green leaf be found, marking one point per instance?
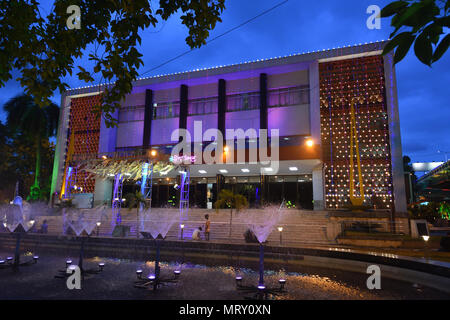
(423, 49)
(403, 48)
(395, 42)
(441, 48)
(393, 8)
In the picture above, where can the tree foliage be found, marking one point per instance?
(31, 126)
(17, 163)
(423, 23)
(44, 51)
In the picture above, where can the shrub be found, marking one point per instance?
(445, 243)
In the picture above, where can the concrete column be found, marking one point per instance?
(222, 106)
(395, 140)
(314, 102)
(318, 190)
(148, 114)
(61, 145)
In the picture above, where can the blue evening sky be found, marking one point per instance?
(299, 26)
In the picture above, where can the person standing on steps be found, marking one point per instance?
(207, 227)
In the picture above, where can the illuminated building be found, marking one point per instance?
(336, 111)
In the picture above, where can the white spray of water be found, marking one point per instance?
(82, 220)
(263, 222)
(158, 221)
(21, 213)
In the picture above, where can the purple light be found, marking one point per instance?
(261, 287)
(101, 264)
(9, 258)
(238, 278)
(36, 257)
(282, 281)
(177, 272)
(139, 271)
(152, 277)
(2, 261)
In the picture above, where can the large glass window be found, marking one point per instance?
(128, 114)
(243, 101)
(288, 96)
(166, 110)
(203, 106)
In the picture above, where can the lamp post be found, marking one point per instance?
(182, 228)
(98, 228)
(426, 238)
(280, 229)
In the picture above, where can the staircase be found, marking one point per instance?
(299, 227)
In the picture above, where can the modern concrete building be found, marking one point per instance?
(335, 110)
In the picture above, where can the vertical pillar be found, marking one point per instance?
(183, 106)
(263, 101)
(220, 184)
(398, 180)
(222, 106)
(147, 118)
(318, 194)
(314, 102)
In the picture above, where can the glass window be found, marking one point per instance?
(243, 101)
(128, 114)
(203, 106)
(166, 110)
(288, 96)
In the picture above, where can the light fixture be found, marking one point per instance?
(98, 224)
(223, 171)
(245, 170)
(202, 171)
(35, 259)
(261, 287)
(426, 238)
(293, 169)
(101, 265)
(153, 153)
(309, 142)
(226, 149)
(104, 157)
(280, 229)
(68, 263)
(182, 226)
(139, 273)
(282, 282)
(177, 273)
(151, 277)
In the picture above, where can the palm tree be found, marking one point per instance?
(36, 123)
(229, 199)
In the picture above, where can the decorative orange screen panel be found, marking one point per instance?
(355, 140)
(86, 128)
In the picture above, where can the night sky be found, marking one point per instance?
(299, 26)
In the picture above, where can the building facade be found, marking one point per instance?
(335, 110)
